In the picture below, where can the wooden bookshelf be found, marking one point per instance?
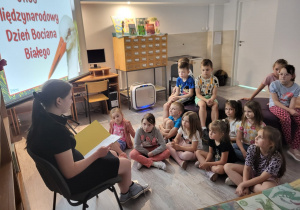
(12, 193)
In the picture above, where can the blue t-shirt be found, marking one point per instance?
(285, 94)
(177, 123)
(185, 86)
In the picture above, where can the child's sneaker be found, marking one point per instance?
(135, 191)
(229, 182)
(212, 176)
(138, 165)
(197, 164)
(160, 165)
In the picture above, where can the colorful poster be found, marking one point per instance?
(117, 21)
(140, 23)
(284, 197)
(155, 22)
(127, 22)
(257, 202)
(39, 42)
(132, 29)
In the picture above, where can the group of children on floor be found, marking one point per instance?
(241, 138)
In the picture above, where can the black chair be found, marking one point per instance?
(174, 74)
(56, 183)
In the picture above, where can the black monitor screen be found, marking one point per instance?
(96, 56)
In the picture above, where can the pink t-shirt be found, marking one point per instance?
(119, 130)
(269, 79)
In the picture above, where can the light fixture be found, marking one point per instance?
(128, 2)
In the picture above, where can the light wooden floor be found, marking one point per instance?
(170, 189)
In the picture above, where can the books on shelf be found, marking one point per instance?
(128, 21)
(117, 21)
(140, 23)
(156, 24)
(132, 29)
(92, 138)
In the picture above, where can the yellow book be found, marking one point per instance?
(93, 137)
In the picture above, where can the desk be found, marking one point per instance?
(113, 84)
(157, 88)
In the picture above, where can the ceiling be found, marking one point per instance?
(173, 2)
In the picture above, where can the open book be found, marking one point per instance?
(92, 138)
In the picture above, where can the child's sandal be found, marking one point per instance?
(183, 165)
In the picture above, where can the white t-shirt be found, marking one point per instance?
(188, 140)
(233, 131)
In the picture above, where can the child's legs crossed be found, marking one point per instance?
(201, 155)
(263, 186)
(161, 156)
(173, 153)
(234, 172)
(139, 157)
(169, 124)
(219, 169)
(119, 146)
(186, 155)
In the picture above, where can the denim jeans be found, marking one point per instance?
(238, 152)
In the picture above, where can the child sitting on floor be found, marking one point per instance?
(234, 113)
(171, 124)
(220, 150)
(121, 127)
(264, 165)
(149, 145)
(187, 140)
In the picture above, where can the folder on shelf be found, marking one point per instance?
(92, 138)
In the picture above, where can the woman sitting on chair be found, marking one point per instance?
(50, 139)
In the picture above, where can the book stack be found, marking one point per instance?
(282, 197)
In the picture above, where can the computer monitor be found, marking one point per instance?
(96, 56)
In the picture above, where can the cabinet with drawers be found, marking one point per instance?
(140, 52)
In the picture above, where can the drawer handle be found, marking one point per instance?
(144, 59)
(150, 52)
(150, 39)
(137, 60)
(129, 60)
(150, 64)
(143, 46)
(150, 45)
(157, 45)
(136, 47)
(157, 51)
(127, 40)
(163, 56)
(143, 40)
(136, 53)
(144, 53)
(144, 65)
(164, 38)
(136, 40)
(128, 47)
(164, 50)
(157, 57)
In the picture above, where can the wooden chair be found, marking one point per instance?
(78, 93)
(94, 93)
(56, 183)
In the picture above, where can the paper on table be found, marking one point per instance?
(111, 139)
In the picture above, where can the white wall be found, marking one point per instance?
(286, 38)
(174, 19)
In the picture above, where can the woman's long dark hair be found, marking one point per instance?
(51, 90)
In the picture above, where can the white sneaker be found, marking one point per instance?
(160, 165)
(229, 182)
(138, 165)
(293, 154)
(212, 176)
(197, 164)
